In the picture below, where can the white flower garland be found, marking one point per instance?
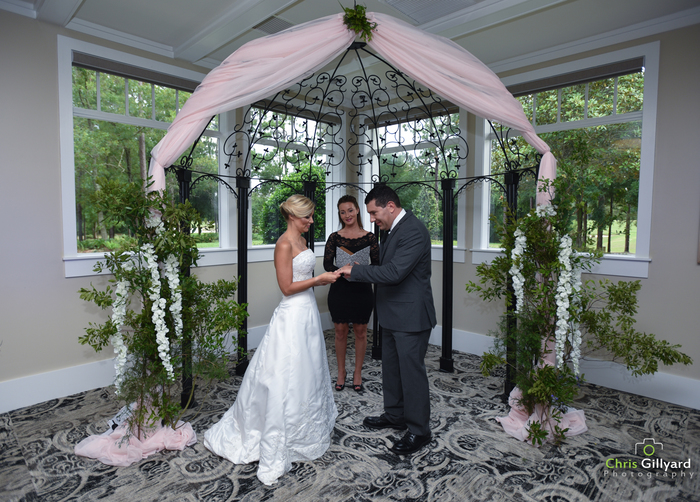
(118, 316)
(564, 290)
(154, 221)
(159, 304)
(158, 309)
(575, 332)
(516, 268)
(172, 274)
(568, 285)
(545, 211)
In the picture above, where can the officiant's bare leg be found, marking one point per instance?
(341, 348)
(360, 331)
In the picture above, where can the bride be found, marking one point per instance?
(284, 411)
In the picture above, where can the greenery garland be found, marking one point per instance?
(154, 304)
(554, 307)
(356, 20)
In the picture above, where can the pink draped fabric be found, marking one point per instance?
(267, 65)
(112, 447)
(257, 70)
(455, 74)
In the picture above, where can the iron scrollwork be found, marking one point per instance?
(375, 124)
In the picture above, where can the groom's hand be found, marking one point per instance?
(345, 271)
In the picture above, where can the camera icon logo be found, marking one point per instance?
(647, 447)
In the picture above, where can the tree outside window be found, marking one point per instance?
(116, 123)
(594, 130)
(412, 152)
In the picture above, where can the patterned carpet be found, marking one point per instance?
(470, 458)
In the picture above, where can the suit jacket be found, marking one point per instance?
(404, 294)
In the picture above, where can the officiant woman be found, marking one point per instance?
(350, 302)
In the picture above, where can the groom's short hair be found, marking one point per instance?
(381, 195)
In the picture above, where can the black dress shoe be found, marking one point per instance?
(410, 443)
(382, 422)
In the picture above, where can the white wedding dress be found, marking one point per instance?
(284, 411)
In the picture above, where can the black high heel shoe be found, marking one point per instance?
(338, 385)
(357, 387)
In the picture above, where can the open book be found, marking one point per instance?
(343, 256)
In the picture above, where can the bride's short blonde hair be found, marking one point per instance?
(297, 206)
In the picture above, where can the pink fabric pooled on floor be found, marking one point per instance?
(517, 420)
(112, 448)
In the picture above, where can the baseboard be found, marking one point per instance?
(27, 391)
(666, 387)
(34, 389)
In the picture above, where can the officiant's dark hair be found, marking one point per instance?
(297, 206)
(353, 200)
(382, 195)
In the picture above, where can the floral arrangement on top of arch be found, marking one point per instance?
(559, 318)
(159, 313)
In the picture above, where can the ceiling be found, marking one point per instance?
(499, 32)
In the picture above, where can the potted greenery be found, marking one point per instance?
(557, 317)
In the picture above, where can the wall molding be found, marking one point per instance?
(34, 389)
(649, 28)
(674, 389)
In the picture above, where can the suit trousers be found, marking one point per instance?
(404, 379)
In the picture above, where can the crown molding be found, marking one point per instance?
(20, 7)
(58, 12)
(653, 27)
(120, 37)
(241, 17)
(484, 15)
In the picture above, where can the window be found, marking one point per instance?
(116, 123)
(286, 148)
(598, 117)
(114, 108)
(423, 150)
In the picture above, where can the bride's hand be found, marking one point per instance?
(327, 278)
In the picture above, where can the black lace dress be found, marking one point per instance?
(350, 302)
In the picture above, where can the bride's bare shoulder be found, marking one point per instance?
(283, 245)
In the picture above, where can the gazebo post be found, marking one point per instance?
(512, 180)
(184, 179)
(310, 193)
(376, 328)
(243, 186)
(448, 187)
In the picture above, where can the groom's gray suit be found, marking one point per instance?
(406, 314)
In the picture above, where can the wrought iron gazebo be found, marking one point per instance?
(350, 119)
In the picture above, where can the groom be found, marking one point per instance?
(406, 314)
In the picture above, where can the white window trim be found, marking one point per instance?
(636, 266)
(82, 264)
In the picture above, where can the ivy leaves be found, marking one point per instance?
(356, 20)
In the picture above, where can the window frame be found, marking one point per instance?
(459, 252)
(637, 265)
(82, 264)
